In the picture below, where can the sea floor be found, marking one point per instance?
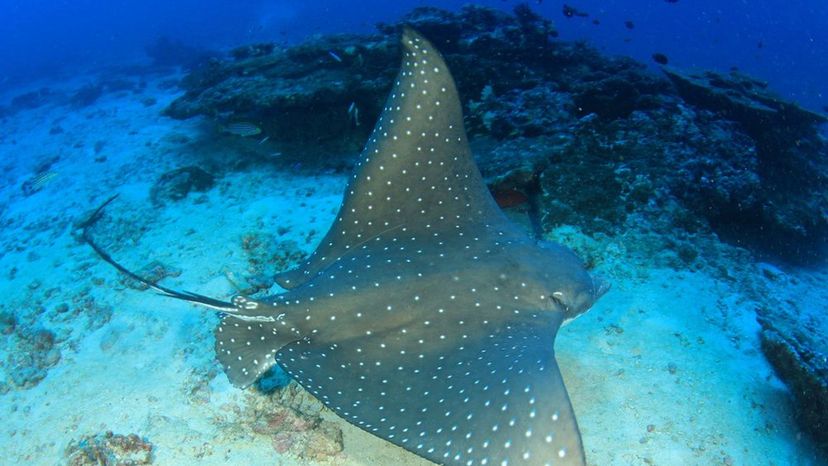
(665, 370)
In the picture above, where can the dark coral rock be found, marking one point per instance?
(797, 347)
(291, 419)
(745, 100)
(302, 94)
(32, 99)
(36, 353)
(174, 185)
(581, 187)
(268, 256)
(613, 87)
(252, 51)
(109, 449)
(7, 322)
(519, 113)
(86, 95)
(787, 165)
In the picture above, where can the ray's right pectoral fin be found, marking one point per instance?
(246, 350)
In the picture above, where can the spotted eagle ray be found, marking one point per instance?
(424, 316)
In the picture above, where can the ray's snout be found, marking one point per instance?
(572, 288)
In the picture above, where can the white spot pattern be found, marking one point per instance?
(409, 326)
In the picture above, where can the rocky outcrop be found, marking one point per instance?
(578, 137)
(176, 184)
(794, 339)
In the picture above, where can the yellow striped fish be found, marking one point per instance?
(37, 182)
(242, 128)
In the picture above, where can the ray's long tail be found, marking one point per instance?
(195, 298)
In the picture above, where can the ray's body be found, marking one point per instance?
(424, 317)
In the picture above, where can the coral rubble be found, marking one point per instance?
(109, 449)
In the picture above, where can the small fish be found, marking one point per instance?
(243, 129)
(37, 182)
(671, 1)
(264, 140)
(629, 24)
(660, 58)
(335, 56)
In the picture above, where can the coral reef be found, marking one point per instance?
(787, 165)
(36, 337)
(745, 100)
(36, 353)
(293, 421)
(608, 137)
(794, 339)
(109, 449)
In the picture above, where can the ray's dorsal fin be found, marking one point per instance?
(416, 173)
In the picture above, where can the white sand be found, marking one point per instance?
(676, 351)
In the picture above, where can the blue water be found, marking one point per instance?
(783, 42)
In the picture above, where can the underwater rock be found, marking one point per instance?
(174, 185)
(252, 51)
(788, 166)
(743, 99)
(7, 322)
(109, 449)
(306, 95)
(519, 113)
(292, 420)
(86, 95)
(796, 344)
(36, 352)
(616, 93)
(266, 257)
(31, 100)
(620, 140)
